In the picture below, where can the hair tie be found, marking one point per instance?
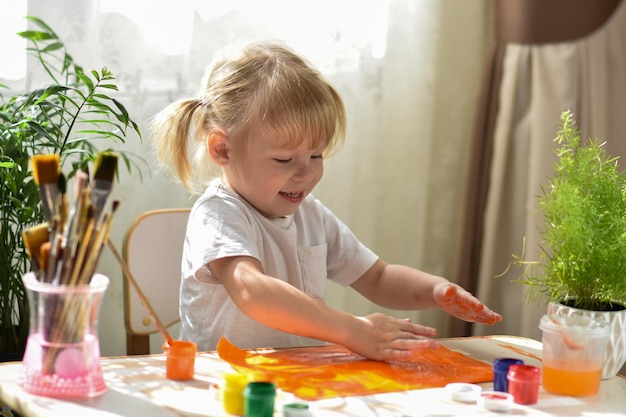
(203, 101)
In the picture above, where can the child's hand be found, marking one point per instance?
(458, 302)
(387, 338)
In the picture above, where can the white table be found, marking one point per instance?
(137, 387)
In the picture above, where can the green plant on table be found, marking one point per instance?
(582, 256)
(75, 116)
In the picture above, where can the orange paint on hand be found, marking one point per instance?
(333, 371)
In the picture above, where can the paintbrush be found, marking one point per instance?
(54, 254)
(105, 167)
(46, 176)
(87, 227)
(33, 238)
(63, 205)
(144, 300)
(71, 236)
(101, 237)
(44, 258)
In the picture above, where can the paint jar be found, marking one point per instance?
(463, 392)
(296, 410)
(500, 371)
(573, 352)
(231, 392)
(180, 359)
(62, 356)
(495, 401)
(524, 383)
(259, 399)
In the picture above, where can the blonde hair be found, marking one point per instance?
(262, 86)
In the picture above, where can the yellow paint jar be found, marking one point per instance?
(231, 392)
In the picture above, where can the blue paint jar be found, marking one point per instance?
(500, 371)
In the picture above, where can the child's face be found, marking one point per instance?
(273, 177)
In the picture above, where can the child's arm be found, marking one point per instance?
(404, 288)
(279, 305)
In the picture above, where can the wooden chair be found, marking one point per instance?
(153, 248)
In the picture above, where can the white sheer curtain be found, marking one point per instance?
(409, 72)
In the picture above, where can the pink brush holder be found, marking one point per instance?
(62, 357)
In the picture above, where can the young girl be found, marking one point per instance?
(259, 246)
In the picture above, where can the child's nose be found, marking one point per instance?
(304, 171)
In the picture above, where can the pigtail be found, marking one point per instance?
(173, 129)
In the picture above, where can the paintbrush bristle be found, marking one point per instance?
(34, 237)
(105, 166)
(62, 183)
(81, 180)
(45, 168)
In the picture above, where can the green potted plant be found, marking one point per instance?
(582, 254)
(75, 116)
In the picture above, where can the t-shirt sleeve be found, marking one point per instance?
(218, 228)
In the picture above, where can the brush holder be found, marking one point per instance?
(62, 357)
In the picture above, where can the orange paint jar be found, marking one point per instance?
(180, 359)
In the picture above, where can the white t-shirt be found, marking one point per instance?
(304, 249)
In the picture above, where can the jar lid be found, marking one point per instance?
(235, 379)
(495, 401)
(502, 364)
(524, 373)
(261, 387)
(463, 392)
(296, 410)
(575, 324)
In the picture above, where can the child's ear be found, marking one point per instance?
(218, 147)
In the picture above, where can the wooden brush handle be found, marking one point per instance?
(142, 296)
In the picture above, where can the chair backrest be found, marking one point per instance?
(153, 248)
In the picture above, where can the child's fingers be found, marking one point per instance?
(418, 329)
(460, 303)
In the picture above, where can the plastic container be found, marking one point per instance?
(62, 356)
(524, 383)
(259, 399)
(495, 401)
(180, 359)
(573, 352)
(500, 371)
(296, 410)
(463, 392)
(231, 392)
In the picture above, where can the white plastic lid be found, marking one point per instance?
(463, 392)
(296, 410)
(575, 324)
(495, 401)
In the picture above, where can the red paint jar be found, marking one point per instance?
(524, 383)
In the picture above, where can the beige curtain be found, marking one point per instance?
(581, 68)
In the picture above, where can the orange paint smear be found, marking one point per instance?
(520, 351)
(315, 373)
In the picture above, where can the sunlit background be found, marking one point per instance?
(409, 73)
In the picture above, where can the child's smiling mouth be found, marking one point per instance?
(293, 197)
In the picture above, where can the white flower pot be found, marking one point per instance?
(615, 355)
